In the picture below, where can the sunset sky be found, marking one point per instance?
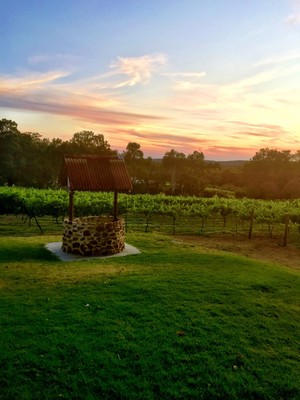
(217, 76)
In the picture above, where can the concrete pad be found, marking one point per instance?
(55, 248)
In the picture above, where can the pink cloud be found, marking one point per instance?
(258, 130)
(293, 19)
(91, 114)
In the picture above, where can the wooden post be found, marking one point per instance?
(286, 229)
(71, 205)
(251, 224)
(115, 205)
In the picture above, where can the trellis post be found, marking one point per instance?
(115, 205)
(71, 205)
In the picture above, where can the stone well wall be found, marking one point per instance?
(93, 236)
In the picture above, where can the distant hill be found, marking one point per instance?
(229, 164)
(223, 164)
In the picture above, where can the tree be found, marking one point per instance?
(267, 172)
(133, 152)
(54, 157)
(39, 163)
(291, 189)
(9, 151)
(296, 156)
(8, 127)
(192, 174)
(87, 142)
(273, 155)
(173, 162)
(139, 168)
(196, 159)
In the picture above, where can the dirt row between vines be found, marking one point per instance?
(263, 249)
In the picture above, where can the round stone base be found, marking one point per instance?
(93, 236)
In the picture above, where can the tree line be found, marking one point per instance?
(29, 160)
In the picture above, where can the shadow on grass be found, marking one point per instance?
(14, 252)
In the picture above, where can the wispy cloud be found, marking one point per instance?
(87, 113)
(261, 130)
(137, 69)
(83, 99)
(29, 81)
(278, 59)
(48, 92)
(186, 80)
(264, 135)
(265, 77)
(293, 19)
(260, 90)
(154, 138)
(241, 151)
(185, 74)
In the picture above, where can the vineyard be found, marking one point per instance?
(172, 214)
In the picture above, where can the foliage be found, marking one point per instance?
(10, 150)
(87, 142)
(271, 173)
(35, 203)
(28, 160)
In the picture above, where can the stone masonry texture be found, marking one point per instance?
(93, 236)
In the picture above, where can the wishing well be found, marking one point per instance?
(94, 235)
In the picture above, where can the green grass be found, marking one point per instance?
(173, 322)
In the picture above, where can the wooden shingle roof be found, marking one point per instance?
(95, 173)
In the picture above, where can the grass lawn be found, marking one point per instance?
(174, 322)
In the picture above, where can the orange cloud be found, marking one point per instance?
(29, 82)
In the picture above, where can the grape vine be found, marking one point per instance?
(242, 213)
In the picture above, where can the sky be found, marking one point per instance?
(220, 77)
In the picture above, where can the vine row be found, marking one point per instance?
(35, 203)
